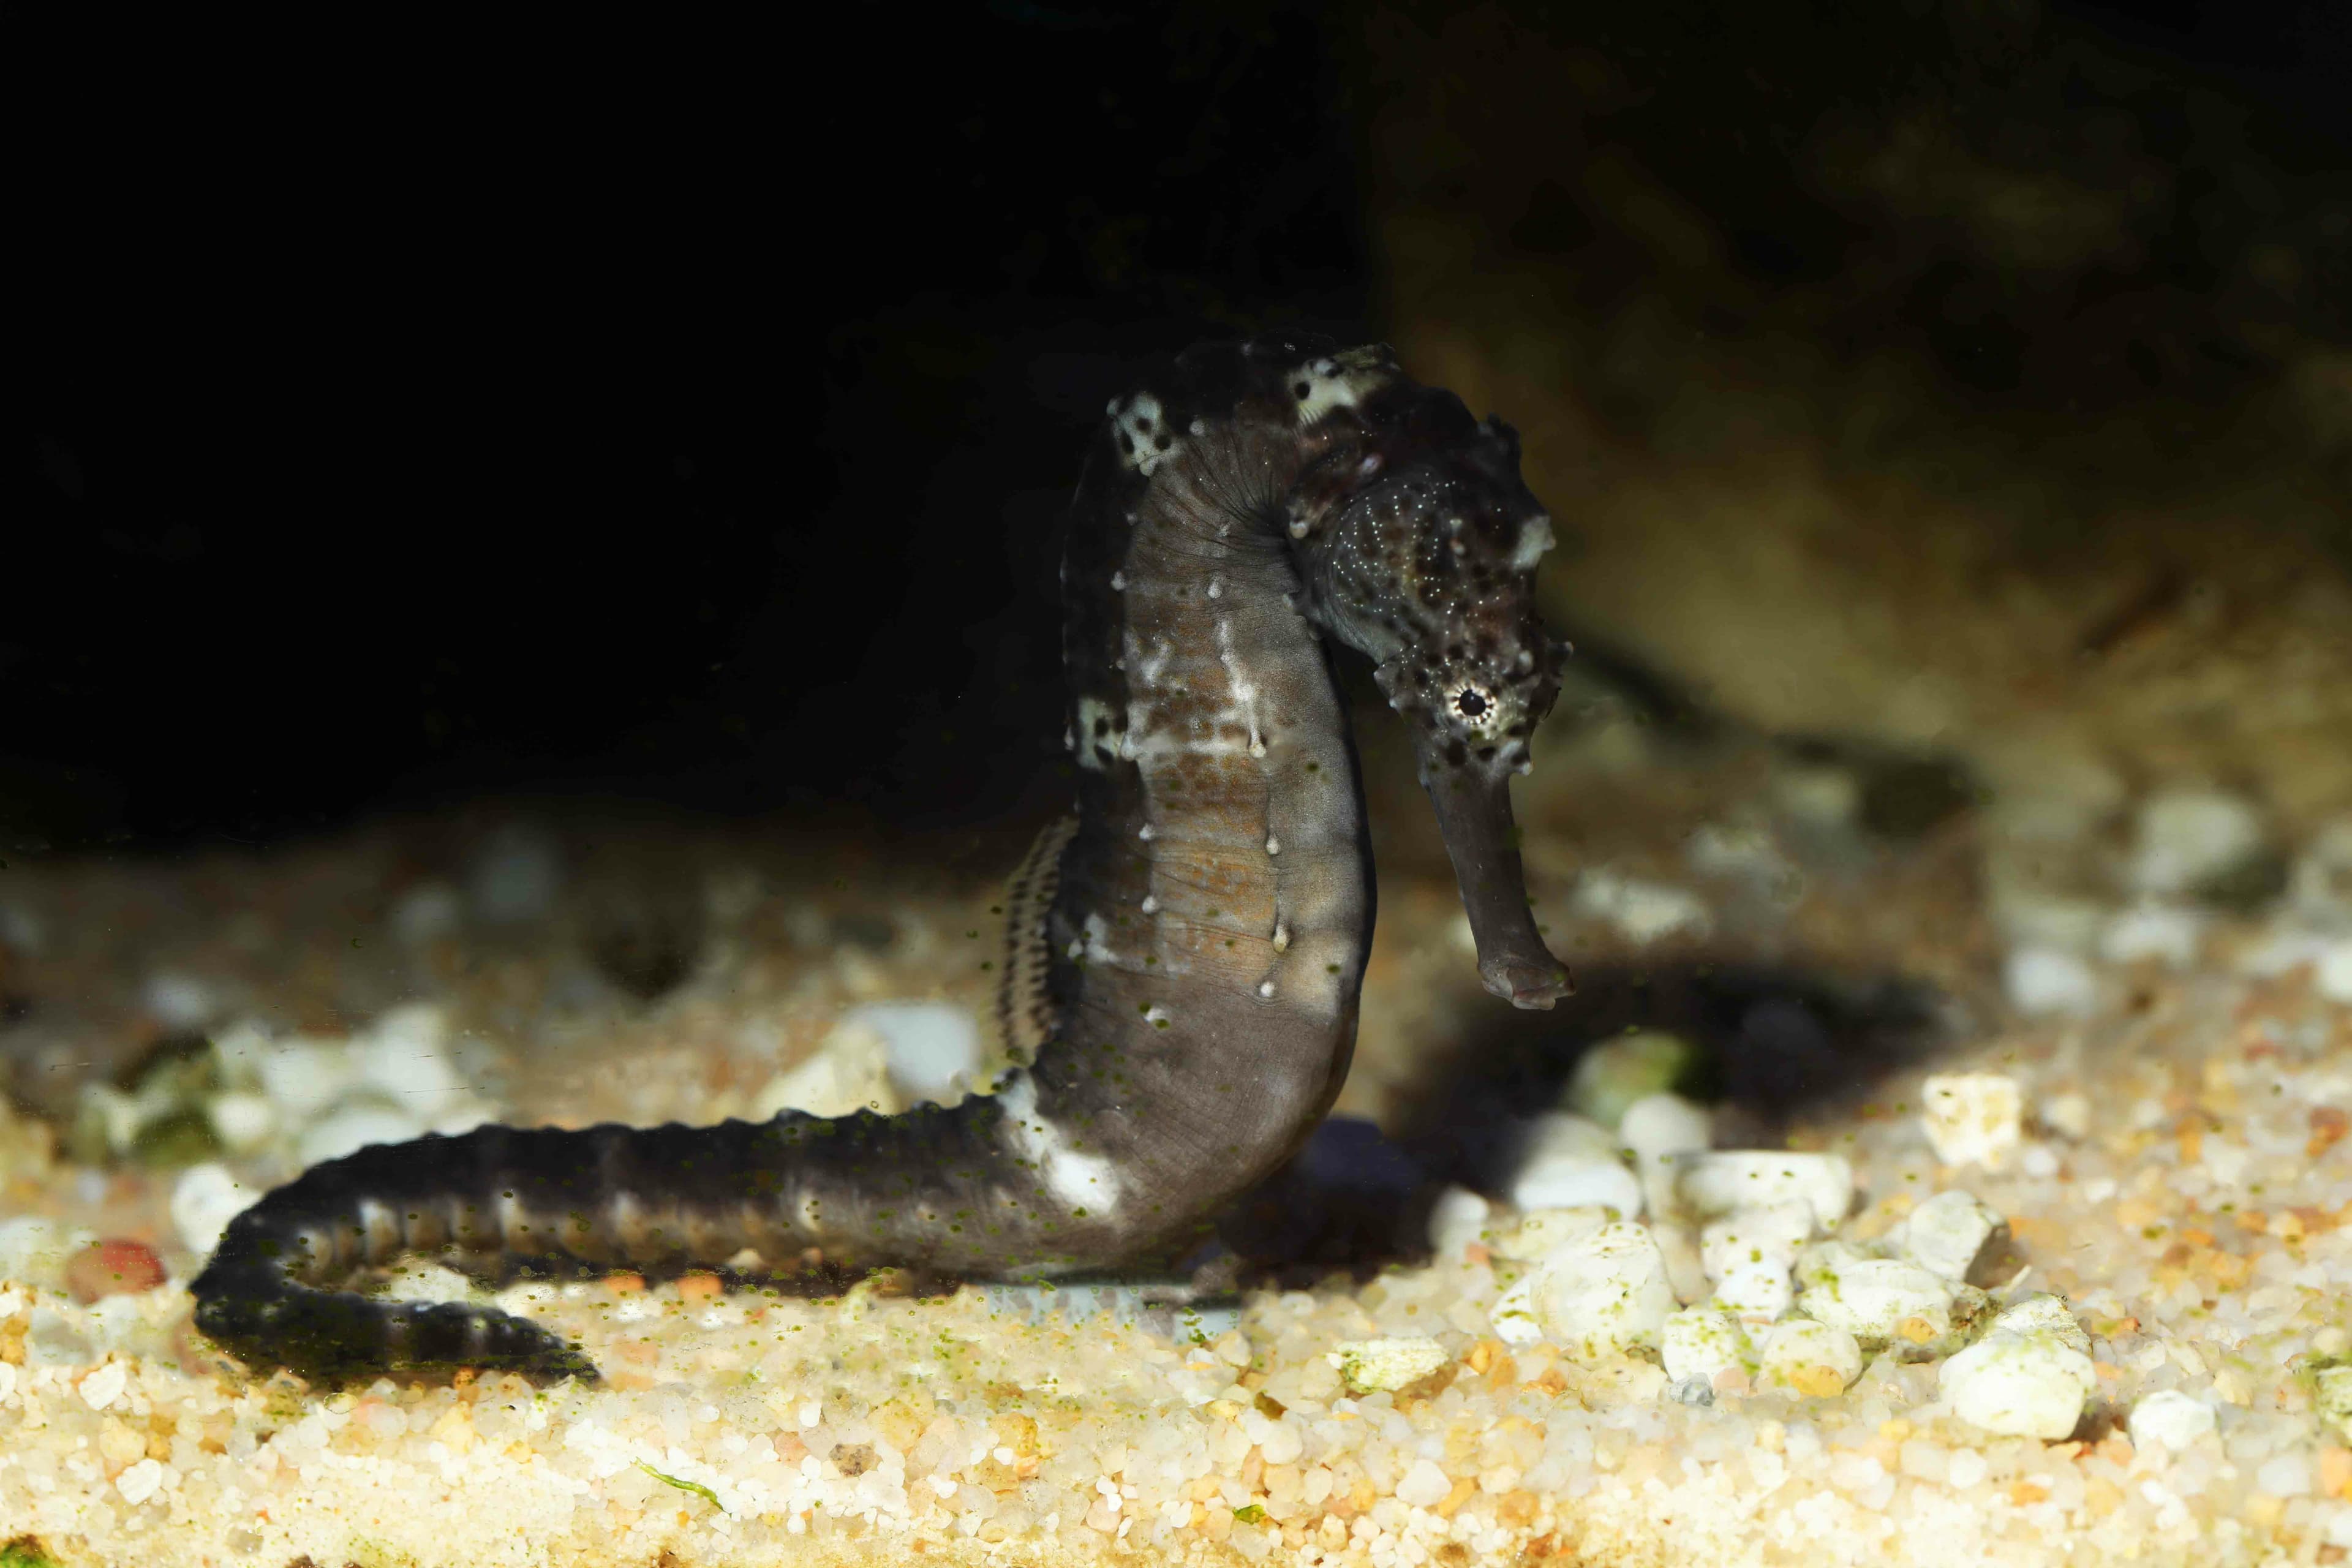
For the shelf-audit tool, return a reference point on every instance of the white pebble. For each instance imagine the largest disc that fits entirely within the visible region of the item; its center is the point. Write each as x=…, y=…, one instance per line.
x=932, y=1048
x=34, y=1250
x=2041, y=980
x=850, y=1072
x=1604, y=1291
x=2189, y=838
x=1972, y=1119
x=353, y=1128
x=179, y=1001
x=2068, y=1115
x=104, y=1386
x=1822, y=796
x=1947, y=1232
x=243, y=1121
x=2171, y=1418
x=1513, y=1314
x=1371, y=1365
x=1723, y=1180
x=119, y=1115
x=1536, y=1233
x=1880, y=1300
x=1642, y=913
x=517, y=875
x=1660, y=1129
x=405, y=1055
x=140, y=1481
x=1701, y=1342
x=2320, y=885
x=1611, y=1076
x=203, y=1200
x=303, y=1075
x=426, y=913
x=1809, y=1356
x=2284, y=1475
x=2164, y=933
x=1423, y=1485
x=2331, y=1396
x=2019, y=1386
x=2042, y=1312
x=1566, y=1181
x=1756, y=1292
x=1765, y=1234
x=2332, y=972
x=1457, y=1219
x=1571, y=1163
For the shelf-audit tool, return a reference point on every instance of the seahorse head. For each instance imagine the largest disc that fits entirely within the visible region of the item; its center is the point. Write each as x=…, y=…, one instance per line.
x=1418, y=541
x=1421, y=542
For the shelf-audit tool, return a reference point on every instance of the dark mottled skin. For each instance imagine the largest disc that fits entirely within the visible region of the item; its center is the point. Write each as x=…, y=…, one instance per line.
x=1203, y=927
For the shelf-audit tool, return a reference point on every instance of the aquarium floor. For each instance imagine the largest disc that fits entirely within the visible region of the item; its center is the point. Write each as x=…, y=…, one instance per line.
x=2195, y=1214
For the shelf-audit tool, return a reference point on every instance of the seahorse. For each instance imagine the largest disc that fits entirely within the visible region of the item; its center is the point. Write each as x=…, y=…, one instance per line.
x=1187, y=951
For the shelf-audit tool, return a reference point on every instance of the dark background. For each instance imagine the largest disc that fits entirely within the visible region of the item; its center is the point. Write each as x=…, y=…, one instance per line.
x=404, y=415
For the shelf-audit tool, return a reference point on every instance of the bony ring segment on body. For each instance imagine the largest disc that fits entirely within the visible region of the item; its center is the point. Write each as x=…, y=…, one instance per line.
x=1186, y=951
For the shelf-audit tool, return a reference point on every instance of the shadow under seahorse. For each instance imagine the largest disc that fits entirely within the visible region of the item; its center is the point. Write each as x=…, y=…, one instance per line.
x=1188, y=950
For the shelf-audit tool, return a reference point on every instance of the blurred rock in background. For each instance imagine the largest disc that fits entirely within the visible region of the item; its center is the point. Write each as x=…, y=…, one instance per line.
x=1978, y=389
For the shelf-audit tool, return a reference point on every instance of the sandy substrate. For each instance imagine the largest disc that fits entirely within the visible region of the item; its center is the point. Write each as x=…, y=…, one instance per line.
x=2173, y=1170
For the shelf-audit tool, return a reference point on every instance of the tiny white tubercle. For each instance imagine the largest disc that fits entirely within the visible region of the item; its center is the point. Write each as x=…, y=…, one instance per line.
x=1150, y=905
x=1272, y=845
x=1146, y=833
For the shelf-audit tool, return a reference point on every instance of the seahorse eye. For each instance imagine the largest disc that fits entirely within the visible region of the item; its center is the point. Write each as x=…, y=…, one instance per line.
x=1472, y=703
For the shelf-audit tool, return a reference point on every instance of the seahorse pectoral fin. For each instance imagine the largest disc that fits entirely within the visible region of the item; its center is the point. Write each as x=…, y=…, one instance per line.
x=1474, y=815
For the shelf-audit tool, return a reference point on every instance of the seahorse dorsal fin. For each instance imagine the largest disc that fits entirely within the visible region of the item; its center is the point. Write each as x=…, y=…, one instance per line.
x=1024, y=1009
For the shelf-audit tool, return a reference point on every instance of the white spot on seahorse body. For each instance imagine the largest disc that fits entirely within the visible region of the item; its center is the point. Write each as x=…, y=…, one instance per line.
x=1266, y=989
x=1140, y=430
x=380, y=1225
x=624, y=1217
x=1093, y=731
x=1535, y=538
x=1272, y=845
x=1281, y=936
x=1083, y=1181
x=1146, y=833
x=1341, y=381
x=1217, y=587
x=1119, y=582
x=1097, y=950
x=1200, y=427
x=1244, y=707
x=1155, y=1014
x=1154, y=662
x=1150, y=905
